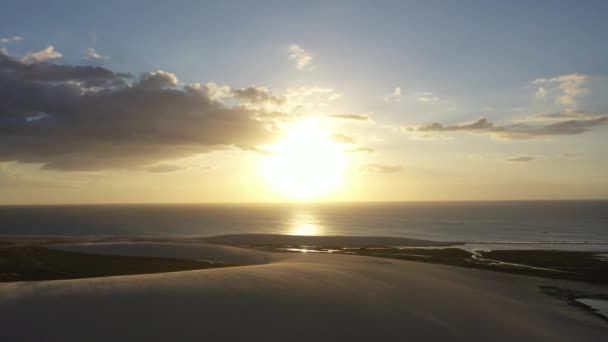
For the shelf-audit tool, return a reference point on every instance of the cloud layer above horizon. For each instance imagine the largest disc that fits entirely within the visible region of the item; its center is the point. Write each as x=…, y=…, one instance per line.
x=70, y=117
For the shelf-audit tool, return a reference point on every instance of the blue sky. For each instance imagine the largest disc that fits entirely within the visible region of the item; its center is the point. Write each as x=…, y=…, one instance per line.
x=454, y=62
x=440, y=42
x=460, y=49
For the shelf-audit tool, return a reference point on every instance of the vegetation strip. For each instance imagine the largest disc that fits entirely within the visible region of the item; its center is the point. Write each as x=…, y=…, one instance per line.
x=23, y=263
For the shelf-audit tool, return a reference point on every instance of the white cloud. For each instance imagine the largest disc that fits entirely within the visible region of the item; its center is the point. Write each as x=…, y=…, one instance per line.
x=394, y=96
x=8, y=40
x=427, y=97
x=212, y=90
x=302, y=57
x=45, y=55
x=563, y=89
x=93, y=55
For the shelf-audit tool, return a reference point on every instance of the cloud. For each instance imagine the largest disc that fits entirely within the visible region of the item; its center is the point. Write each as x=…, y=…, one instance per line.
x=524, y=130
x=359, y=149
x=394, y=96
x=91, y=118
x=342, y=139
x=349, y=116
x=563, y=115
x=163, y=168
x=8, y=40
x=46, y=55
x=38, y=73
x=301, y=57
x=380, y=168
x=519, y=159
x=564, y=89
x=257, y=95
x=334, y=97
x=307, y=99
x=211, y=90
x=93, y=55
x=427, y=97
x=301, y=92
x=157, y=80
x=251, y=96
x=541, y=92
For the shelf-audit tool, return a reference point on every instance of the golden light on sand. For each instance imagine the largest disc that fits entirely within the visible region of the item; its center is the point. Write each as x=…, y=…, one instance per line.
x=305, y=164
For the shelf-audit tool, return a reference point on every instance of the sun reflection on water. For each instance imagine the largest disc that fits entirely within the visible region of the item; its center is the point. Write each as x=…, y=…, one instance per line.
x=304, y=223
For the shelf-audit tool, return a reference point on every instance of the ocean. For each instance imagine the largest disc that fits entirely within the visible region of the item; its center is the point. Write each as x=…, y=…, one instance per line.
x=523, y=222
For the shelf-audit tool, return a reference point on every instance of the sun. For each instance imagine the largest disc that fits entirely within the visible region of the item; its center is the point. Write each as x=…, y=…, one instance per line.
x=305, y=164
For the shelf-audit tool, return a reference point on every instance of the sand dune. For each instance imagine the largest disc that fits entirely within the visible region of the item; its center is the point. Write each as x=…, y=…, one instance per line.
x=197, y=251
x=296, y=297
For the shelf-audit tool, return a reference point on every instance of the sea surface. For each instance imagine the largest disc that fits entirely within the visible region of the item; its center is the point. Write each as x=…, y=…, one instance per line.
x=525, y=223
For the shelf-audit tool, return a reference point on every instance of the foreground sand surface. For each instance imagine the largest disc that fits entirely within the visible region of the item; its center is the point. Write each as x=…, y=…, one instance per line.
x=292, y=297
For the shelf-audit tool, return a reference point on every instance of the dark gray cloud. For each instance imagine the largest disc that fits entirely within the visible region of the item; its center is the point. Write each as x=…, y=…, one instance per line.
x=87, y=76
x=349, y=116
x=88, y=118
x=519, y=159
x=523, y=130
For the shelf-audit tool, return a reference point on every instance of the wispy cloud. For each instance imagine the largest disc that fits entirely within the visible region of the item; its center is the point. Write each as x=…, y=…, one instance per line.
x=522, y=130
x=301, y=57
x=564, y=115
x=426, y=97
x=381, y=168
x=359, y=149
x=8, y=40
x=343, y=139
x=93, y=55
x=394, y=96
x=349, y=116
x=163, y=168
x=519, y=159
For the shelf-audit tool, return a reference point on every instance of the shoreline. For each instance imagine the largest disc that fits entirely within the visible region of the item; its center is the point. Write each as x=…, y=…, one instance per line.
x=589, y=266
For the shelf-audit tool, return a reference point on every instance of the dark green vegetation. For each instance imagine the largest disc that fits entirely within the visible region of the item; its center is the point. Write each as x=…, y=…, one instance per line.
x=40, y=263
x=586, y=266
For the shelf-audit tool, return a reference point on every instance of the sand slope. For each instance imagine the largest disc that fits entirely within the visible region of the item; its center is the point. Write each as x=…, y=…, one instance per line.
x=298, y=297
x=196, y=251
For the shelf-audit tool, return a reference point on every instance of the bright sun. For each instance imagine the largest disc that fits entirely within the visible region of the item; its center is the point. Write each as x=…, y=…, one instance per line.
x=305, y=164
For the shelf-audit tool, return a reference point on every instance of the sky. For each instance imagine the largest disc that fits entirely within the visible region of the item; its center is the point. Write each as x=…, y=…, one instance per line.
x=266, y=101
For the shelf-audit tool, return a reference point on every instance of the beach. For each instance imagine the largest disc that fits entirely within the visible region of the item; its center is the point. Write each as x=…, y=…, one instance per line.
x=293, y=297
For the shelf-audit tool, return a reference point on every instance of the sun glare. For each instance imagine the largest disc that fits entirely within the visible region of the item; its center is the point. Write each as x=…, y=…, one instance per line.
x=305, y=164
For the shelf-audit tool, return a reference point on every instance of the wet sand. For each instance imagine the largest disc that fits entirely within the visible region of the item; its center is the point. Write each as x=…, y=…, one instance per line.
x=293, y=297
